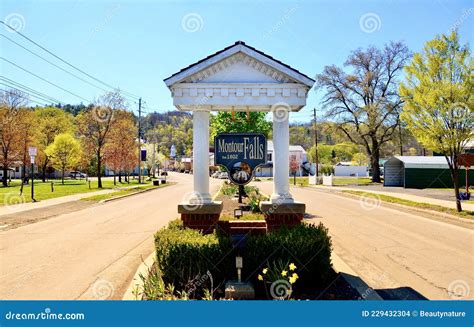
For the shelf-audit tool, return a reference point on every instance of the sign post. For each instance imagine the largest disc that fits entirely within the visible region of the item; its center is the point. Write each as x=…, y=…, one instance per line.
x=32, y=151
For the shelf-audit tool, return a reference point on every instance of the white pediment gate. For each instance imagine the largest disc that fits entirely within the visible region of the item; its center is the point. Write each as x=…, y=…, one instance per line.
x=239, y=78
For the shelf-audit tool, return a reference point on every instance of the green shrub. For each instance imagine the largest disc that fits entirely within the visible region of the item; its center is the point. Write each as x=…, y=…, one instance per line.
x=254, y=198
x=184, y=256
x=308, y=246
x=229, y=189
x=326, y=169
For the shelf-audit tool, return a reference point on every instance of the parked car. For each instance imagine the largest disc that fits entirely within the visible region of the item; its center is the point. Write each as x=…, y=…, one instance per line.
x=186, y=171
x=164, y=173
x=77, y=174
x=223, y=175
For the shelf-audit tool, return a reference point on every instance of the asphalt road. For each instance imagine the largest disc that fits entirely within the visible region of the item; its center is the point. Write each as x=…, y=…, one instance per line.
x=393, y=251
x=91, y=253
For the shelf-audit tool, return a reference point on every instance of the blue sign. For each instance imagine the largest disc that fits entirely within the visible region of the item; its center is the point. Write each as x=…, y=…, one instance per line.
x=240, y=154
x=143, y=155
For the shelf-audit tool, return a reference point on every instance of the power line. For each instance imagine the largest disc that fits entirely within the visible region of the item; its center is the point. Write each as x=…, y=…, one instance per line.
x=28, y=89
x=30, y=100
x=66, y=62
x=45, y=80
x=51, y=63
x=57, y=66
x=29, y=94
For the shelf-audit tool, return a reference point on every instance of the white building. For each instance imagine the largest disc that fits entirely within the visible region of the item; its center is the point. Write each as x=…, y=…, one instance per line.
x=296, y=153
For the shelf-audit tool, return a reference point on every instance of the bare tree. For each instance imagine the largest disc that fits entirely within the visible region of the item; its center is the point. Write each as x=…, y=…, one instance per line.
x=365, y=102
x=95, y=123
x=12, y=102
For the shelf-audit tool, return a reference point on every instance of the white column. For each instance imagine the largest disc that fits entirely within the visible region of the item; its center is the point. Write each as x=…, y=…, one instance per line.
x=201, y=157
x=281, y=160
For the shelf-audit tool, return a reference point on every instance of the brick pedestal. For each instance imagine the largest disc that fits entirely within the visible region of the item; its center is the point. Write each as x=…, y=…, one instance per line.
x=285, y=214
x=243, y=227
x=203, y=217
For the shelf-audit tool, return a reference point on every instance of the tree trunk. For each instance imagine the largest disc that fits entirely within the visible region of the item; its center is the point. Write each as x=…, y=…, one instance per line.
x=115, y=180
x=120, y=176
x=5, y=178
x=455, y=176
x=99, y=180
x=62, y=176
x=43, y=171
x=22, y=177
x=374, y=161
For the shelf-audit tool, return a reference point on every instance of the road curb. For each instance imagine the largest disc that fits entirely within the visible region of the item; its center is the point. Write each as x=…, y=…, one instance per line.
x=137, y=281
x=352, y=278
x=134, y=193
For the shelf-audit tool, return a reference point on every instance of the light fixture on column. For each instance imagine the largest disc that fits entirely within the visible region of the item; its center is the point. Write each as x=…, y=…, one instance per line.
x=248, y=114
x=233, y=114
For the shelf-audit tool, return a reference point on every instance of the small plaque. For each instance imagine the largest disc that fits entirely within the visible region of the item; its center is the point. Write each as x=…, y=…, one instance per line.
x=239, y=262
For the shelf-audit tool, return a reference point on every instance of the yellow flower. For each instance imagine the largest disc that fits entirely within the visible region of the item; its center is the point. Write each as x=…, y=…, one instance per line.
x=292, y=266
x=284, y=272
x=260, y=277
x=292, y=280
x=295, y=276
x=264, y=271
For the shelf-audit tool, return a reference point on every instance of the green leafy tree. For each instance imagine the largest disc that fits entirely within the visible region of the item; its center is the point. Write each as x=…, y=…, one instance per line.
x=64, y=153
x=50, y=122
x=359, y=159
x=240, y=122
x=438, y=95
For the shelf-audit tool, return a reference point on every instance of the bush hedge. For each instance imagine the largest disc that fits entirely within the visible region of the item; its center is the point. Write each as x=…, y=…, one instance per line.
x=307, y=246
x=185, y=255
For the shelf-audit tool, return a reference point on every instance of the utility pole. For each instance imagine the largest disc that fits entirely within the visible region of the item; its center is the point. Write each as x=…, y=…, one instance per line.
x=400, y=136
x=316, y=143
x=139, y=141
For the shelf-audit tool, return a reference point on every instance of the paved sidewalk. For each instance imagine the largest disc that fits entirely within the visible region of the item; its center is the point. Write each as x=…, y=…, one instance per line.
x=9, y=209
x=410, y=197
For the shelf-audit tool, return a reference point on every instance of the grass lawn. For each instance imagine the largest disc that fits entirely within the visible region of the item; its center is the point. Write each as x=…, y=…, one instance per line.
x=339, y=181
x=392, y=199
x=120, y=193
x=300, y=181
x=10, y=194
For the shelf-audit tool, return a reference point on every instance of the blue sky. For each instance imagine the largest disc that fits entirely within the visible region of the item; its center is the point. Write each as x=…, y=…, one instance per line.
x=136, y=44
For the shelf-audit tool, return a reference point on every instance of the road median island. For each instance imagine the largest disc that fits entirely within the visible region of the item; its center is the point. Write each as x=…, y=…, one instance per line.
x=123, y=193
